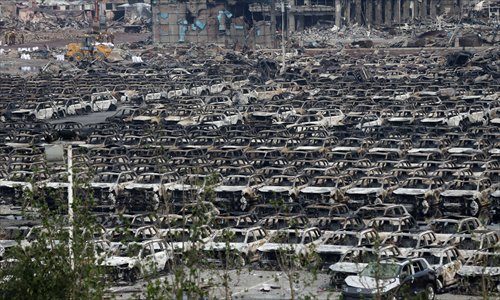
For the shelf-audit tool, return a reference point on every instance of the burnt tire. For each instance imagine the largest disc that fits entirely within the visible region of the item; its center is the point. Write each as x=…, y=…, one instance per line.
x=167, y=267
x=112, y=107
x=473, y=208
x=439, y=285
x=133, y=275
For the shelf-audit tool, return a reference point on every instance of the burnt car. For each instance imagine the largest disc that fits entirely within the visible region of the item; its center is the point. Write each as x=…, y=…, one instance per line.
x=467, y=197
x=238, y=192
x=420, y=196
x=480, y=273
x=370, y=190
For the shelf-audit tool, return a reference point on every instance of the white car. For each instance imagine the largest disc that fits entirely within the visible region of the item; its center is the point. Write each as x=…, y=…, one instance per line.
x=35, y=111
x=137, y=260
x=107, y=185
x=294, y=245
x=240, y=244
x=103, y=101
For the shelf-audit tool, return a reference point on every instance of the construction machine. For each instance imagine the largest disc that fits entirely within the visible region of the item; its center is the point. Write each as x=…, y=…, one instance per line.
x=88, y=49
x=92, y=46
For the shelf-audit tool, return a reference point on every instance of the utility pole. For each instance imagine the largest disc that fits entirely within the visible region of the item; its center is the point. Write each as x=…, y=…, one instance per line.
x=55, y=153
x=283, y=50
x=70, y=205
x=272, y=11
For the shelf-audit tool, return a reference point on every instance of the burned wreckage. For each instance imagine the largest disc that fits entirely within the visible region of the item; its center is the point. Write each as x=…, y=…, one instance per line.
x=316, y=161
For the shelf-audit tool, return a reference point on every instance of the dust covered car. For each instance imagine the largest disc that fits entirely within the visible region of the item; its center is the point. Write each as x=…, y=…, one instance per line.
x=480, y=272
x=138, y=259
x=235, y=246
x=290, y=247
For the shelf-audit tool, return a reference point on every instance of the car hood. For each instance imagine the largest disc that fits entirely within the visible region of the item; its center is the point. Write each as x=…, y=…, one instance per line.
x=145, y=118
x=115, y=261
x=400, y=119
x=308, y=148
x=384, y=150
x=479, y=271
x=409, y=191
x=263, y=114
x=317, y=189
x=463, y=150
x=419, y=150
x=181, y=187
x=361, y=191
x=102, y=185
x=143, y=186
x=364, y=282
x=277, y=246
x=56, y=185
x=22, y=111
x=345, y=149
x=332, y=248
x=12, y=184
x=457, y=193
x=222, y=246
x=275, y=189
x=229, y=188
x=433, y=120
x=347, y=267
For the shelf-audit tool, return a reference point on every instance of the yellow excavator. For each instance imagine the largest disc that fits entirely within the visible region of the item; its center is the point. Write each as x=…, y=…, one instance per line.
x=87, y=50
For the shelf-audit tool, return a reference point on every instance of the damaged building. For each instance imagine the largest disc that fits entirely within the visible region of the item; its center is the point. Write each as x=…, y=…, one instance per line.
x=76, y=13
x=202, y=21
x=250, y=23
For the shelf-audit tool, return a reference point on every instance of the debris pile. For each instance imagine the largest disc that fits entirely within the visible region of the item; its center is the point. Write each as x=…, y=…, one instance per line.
x=322, y=36
x=441, y=33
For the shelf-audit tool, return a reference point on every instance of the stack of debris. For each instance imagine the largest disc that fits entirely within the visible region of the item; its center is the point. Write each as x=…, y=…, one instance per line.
x=328, y=36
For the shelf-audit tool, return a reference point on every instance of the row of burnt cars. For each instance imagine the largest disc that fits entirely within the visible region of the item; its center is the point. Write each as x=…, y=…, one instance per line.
x=449, y=253
x=143, y=168
x=417, y=141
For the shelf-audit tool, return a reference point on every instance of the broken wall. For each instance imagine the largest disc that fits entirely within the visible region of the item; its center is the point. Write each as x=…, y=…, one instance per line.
x=202, y=21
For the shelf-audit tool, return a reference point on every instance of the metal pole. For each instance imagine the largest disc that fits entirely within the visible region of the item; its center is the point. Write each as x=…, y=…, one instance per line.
x=283, y=50
x=273, y=23
x=399, y=15
x=70, y=205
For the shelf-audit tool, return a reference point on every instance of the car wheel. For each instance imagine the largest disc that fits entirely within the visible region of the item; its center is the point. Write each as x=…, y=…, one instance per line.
x=430, y=293
x=133, y=275
x=439, y=285
x=167, y=267
x=425, y=207
x=473, y=208
x=112, y=107
x=392, y=297
x=239, y=261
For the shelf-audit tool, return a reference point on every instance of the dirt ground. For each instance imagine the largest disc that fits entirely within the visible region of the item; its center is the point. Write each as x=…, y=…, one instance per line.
x=62, y=38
